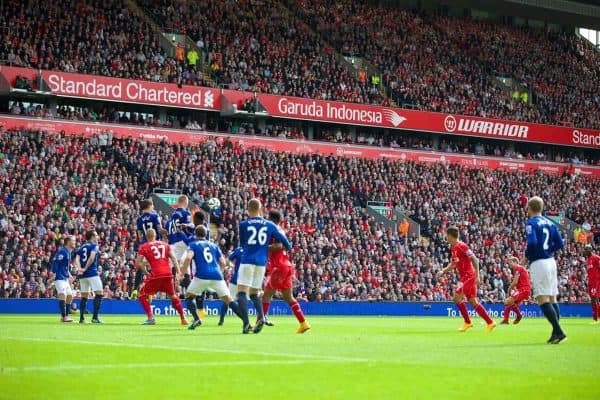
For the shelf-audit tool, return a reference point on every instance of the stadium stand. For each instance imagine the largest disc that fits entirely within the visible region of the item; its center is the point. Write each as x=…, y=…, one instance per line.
x=339, y=251
x=440, y=63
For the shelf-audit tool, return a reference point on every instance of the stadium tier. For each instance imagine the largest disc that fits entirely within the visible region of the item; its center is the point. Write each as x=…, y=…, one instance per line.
x=340, y=252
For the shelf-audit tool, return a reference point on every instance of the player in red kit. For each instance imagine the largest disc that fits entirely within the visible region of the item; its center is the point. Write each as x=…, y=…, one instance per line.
x=593, y=273
x=519, y=290
x=157, y=254
x=467, y=265
x=281, y=275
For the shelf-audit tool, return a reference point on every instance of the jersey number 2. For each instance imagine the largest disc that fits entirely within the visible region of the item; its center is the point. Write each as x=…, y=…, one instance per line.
x=546, y=233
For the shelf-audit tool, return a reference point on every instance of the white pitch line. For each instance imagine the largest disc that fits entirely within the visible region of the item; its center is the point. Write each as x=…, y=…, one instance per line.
x=86, y=367
x=196, y=349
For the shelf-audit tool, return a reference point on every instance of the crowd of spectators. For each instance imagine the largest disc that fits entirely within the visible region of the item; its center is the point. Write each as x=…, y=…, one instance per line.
x=258, y=45
x=91, y=37
x=52, y=185
x=448, y=64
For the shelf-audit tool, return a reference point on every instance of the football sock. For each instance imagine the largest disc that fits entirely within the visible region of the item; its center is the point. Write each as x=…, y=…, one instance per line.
x=146, y=306
x=550, y=314
x=82, y=307
x=139, y=276
x=517, y=311
x=507, y=313
x=200, y=301
x=462, y=307
x=68, y=308
x=97, y=302
x=63, y=308
x=191, y=305
x=242, y=301
x=295, y=306
x=177, y=305
x=223, y=311
x=257, y=305
x=265, y=307
x=595, y=311
x=483, y=314
x=556, y=310
x=235, y=307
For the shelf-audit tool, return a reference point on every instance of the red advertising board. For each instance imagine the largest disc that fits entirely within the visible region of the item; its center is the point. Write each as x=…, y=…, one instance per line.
x=196, y=97
x=291, y=146
x=397, y=118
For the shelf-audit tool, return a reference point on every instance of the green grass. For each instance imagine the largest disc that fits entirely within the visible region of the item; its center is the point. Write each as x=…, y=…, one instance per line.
x=349, y=358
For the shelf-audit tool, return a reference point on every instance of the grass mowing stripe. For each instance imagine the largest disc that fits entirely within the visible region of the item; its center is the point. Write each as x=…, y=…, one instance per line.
x=198, y=349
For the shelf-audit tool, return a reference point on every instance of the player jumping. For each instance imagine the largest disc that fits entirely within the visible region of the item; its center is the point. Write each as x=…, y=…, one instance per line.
x=522, y=291
x=157, y=254
x=255, y=235
x=467, y=266
x=281, y=274
x=543, y=239
x=207, y=257
x=593, y=273
x=62, y=277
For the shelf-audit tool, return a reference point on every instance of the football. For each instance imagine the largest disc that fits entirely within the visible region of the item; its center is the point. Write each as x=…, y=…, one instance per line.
x=214, y=203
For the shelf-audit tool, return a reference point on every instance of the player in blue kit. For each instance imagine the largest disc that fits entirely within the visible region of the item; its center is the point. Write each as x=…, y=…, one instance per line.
x=208, y=259
x=86, y=261
x=62, y=277
x=179, y=227
x=255, y=236
x=543, y=240
x=235, y=257
x=148, y=220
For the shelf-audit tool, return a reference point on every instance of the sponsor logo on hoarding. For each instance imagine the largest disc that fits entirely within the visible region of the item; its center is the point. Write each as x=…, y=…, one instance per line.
x=472, y=125
x=579, y=137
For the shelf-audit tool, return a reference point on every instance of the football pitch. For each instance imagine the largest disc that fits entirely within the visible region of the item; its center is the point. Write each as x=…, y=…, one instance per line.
x=340, y=358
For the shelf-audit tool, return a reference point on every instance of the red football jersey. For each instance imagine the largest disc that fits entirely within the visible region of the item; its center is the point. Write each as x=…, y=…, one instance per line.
x=461, y=256
x=593, y=270
x=524, y=284
x=157, y=254
x=278, y=259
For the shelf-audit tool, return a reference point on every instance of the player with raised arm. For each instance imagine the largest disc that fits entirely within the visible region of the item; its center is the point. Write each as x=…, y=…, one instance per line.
x=235, y=259
x=62, y=277
x=593, y=275
x=179, y=227
x=86, y=262
x=280, y=278
x=209, y=260
x=543, y=240
x=157, y=254
x=148, y=220
x=467, y=265
x=519, y=290
x=255, y=235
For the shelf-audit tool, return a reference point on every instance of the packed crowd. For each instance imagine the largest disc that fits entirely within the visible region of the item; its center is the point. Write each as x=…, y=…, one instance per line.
x=258, y=45
x=447, y=64
x=339, y=251
x=91, y=37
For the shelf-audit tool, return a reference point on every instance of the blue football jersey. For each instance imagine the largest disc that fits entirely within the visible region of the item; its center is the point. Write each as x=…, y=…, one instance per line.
x=236, y=257
x=148, y=221
x=178, y=225
x=60, y=264
x=84, y=253
x=206, y=258
x=543, y=238
x=255, y=236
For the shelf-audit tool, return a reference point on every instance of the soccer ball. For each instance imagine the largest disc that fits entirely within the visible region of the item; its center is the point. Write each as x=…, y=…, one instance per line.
x=214, y=203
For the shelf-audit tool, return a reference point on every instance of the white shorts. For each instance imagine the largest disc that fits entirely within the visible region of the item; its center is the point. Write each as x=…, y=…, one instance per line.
x=92, y=284
x=63, y=287
x=179, y=249
x=251, y=275
x=544, y=280
x=197, y=286
x=233, y=289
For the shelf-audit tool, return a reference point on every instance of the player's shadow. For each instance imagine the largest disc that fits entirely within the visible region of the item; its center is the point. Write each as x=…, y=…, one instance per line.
x=499, y=345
